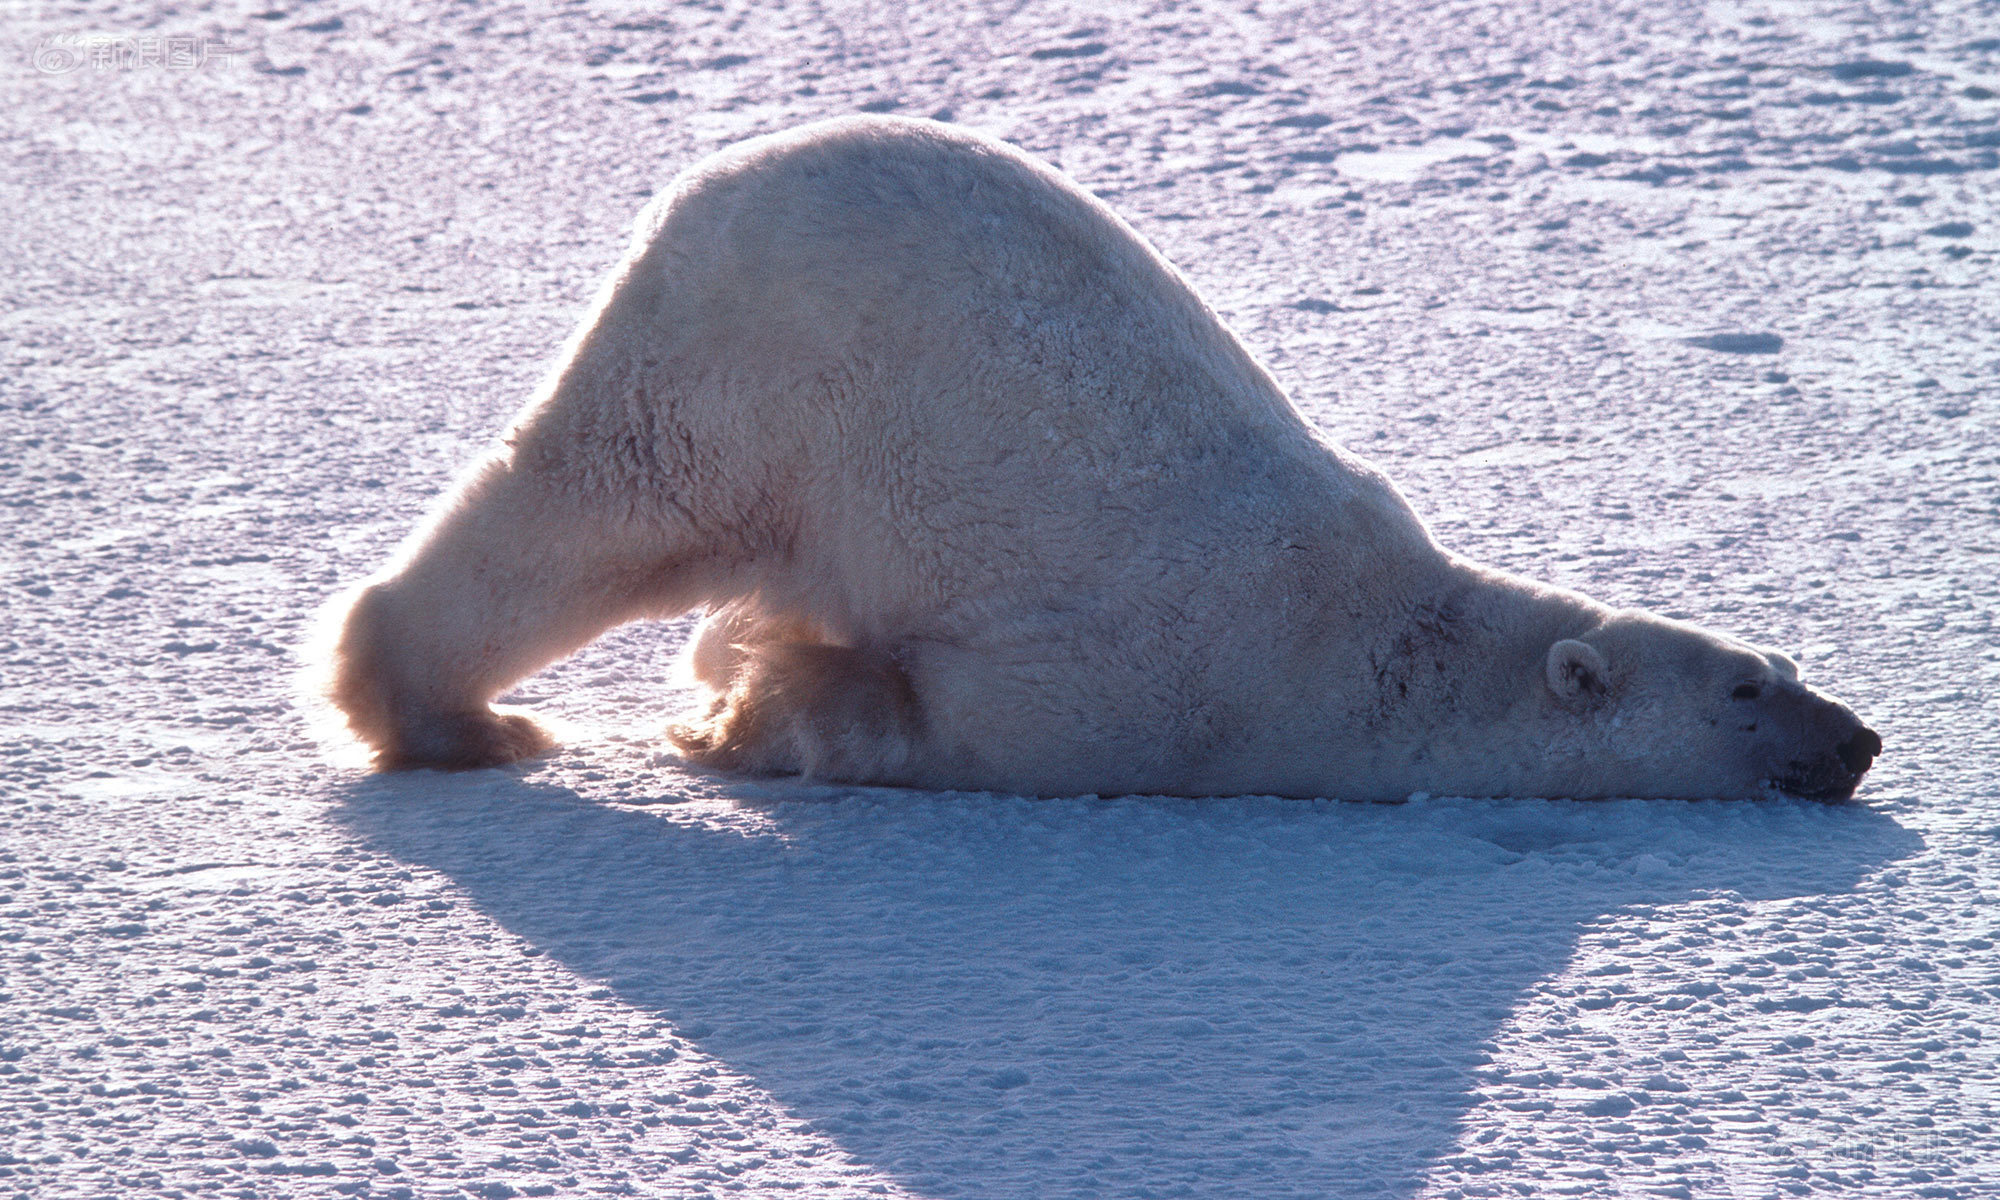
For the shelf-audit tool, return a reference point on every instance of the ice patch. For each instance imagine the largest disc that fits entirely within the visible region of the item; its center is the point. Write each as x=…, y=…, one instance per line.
x=1739, y=343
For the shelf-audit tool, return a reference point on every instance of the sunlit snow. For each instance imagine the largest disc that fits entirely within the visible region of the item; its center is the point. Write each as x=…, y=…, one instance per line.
x=1687, y=306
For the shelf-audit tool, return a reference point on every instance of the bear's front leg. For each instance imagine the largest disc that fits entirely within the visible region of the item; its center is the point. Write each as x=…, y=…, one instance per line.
x=518, y=569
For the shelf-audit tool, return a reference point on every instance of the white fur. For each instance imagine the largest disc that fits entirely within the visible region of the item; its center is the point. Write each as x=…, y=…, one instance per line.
x=983, y=496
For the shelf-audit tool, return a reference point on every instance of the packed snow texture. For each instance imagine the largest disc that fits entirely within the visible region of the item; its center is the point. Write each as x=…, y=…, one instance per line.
x=1687, y=306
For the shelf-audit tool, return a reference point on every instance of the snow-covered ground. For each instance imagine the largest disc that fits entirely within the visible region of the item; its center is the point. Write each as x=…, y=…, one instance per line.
x=263, y=289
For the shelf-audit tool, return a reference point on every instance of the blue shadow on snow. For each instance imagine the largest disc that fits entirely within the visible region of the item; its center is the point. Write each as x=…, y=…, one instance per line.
x=992, y=997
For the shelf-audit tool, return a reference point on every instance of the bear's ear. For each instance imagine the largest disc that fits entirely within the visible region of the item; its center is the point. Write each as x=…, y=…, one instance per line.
x=1576, y=672
x=1783, y=664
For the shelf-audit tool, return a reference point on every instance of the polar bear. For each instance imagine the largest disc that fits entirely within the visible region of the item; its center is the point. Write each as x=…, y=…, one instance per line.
x=978, y=494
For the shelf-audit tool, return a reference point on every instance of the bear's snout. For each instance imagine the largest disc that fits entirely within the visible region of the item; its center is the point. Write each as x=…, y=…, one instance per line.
x=1859, y=751
x=1839, y=749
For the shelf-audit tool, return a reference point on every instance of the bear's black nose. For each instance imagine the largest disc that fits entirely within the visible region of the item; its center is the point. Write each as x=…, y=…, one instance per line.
x=1860, y=750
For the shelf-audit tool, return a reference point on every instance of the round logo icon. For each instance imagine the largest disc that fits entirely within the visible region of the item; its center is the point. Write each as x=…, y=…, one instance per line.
x=58, y=56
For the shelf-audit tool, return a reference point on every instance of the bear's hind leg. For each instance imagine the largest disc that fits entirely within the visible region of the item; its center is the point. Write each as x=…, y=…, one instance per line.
x=731, y=632
x=520, y=568
x=416, y=718
x=807, y=708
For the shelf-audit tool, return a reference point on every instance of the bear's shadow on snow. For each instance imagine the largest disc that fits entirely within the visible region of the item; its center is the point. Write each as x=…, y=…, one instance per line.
x=987, y=996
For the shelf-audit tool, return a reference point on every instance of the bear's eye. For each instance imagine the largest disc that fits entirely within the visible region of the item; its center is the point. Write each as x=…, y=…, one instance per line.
x=1746, y=691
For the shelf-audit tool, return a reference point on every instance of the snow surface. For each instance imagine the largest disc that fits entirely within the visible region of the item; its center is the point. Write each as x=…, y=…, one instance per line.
x=1690, y=306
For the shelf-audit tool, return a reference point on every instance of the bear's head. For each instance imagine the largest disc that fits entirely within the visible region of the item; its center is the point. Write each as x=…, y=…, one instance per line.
x=1662, y=708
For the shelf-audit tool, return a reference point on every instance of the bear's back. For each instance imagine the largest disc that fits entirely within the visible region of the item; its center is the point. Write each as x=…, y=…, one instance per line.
x=892, y=247
x=920, y=347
